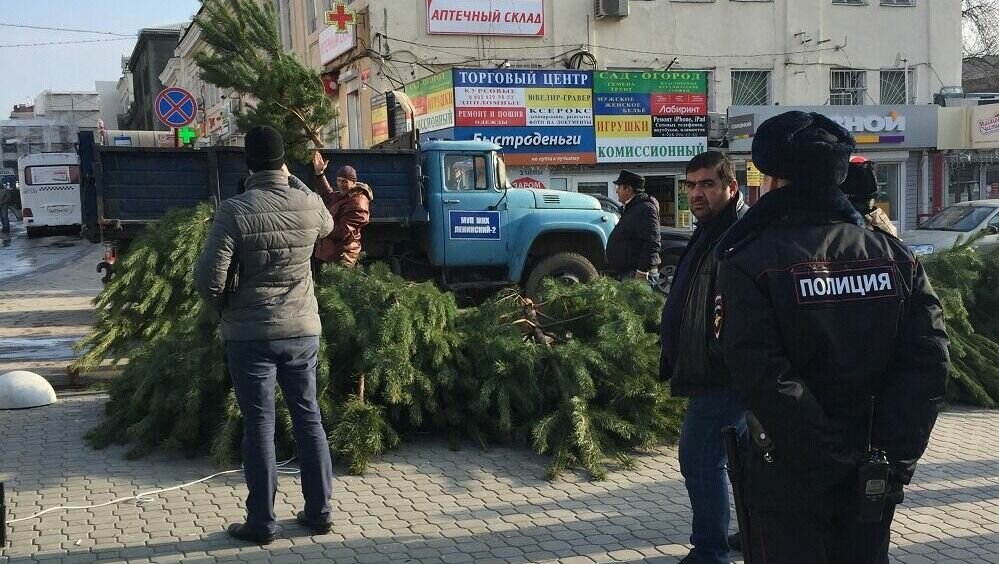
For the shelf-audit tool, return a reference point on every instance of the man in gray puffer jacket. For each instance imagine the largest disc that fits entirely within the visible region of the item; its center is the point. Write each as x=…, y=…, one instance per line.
x=270, y=322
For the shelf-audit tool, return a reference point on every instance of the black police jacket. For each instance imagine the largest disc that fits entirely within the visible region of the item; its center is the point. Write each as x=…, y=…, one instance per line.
x=634, y=243
x=695, y=369
x=817, y=315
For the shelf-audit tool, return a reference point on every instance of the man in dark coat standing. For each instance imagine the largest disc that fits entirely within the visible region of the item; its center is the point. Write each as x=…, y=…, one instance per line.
x=819, y=320
x=271, y=326
x=633, y=246
x=687, y=361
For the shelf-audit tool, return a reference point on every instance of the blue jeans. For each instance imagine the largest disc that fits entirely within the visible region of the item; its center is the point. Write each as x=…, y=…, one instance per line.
x=254, y=366
x=702, y=463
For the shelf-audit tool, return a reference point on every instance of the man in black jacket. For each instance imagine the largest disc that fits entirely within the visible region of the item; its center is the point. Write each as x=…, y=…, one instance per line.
x=817, y=317
x=633, y=246
x=687, y=327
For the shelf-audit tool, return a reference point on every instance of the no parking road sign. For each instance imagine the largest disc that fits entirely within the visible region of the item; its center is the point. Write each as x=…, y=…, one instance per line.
x=175, y=107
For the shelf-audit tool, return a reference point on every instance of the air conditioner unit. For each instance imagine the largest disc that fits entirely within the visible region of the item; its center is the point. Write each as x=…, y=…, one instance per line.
x=611, y=8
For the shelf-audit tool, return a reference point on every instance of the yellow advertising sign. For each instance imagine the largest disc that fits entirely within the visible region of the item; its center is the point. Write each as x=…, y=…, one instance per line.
x=379, y=124
x=623, y=126
x=753, y=175
x=558, y=98
x=439, y=101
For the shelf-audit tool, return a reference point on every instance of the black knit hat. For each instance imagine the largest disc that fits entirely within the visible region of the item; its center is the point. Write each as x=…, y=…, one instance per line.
x=264, y=148
x=861, y=181
x=808, y=149
x=628, y=178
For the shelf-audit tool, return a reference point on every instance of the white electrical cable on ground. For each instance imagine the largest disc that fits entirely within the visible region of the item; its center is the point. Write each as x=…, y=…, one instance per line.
x=149, y=496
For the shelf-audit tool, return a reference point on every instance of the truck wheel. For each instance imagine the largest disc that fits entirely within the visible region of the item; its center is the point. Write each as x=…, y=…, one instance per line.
x=34, y=232
x=570, y=268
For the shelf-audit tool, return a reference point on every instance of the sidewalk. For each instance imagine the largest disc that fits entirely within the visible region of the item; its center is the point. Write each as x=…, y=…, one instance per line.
x=424, y=503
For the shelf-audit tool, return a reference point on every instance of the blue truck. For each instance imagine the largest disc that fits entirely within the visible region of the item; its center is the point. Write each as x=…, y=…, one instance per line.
x=443, y=210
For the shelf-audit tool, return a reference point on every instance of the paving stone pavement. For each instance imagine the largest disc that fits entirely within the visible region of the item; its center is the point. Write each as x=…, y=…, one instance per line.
x=424, y=503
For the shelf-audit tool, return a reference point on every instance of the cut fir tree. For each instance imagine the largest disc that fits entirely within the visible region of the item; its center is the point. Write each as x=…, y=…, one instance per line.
x=574, y=377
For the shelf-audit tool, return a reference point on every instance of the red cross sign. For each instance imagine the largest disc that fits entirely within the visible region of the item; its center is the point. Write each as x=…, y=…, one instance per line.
x=341, y=17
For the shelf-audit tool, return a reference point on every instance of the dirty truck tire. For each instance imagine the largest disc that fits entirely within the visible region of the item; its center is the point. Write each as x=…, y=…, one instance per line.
x=34, y=232
x=570, y=265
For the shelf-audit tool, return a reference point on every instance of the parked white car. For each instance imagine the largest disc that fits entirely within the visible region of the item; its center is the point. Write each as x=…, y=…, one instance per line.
x=958, y=222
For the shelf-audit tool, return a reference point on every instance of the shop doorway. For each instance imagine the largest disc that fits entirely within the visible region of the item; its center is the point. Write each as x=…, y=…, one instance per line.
x=663, y=189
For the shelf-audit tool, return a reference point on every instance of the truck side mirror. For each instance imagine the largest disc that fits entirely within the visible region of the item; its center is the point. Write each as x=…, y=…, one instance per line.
x=992, y=229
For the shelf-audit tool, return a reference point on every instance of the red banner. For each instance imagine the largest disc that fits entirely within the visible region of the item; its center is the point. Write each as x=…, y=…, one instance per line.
x=679, y=104
x=476, y=117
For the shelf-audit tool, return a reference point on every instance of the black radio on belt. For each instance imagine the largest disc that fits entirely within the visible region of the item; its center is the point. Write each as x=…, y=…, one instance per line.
x=873, y=482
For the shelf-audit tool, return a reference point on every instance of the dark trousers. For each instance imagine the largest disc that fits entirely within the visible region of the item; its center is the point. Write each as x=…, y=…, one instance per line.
x=702, y=463
x=819, y=538
x=4, y=218
x=254, y=367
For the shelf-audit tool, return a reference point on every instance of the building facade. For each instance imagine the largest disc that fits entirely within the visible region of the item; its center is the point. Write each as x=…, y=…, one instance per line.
x=749, y=53
x=80, y=110
x=152, y=51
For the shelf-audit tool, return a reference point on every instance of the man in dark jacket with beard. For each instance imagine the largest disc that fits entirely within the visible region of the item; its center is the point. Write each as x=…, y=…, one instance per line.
x=818, y=318
x=687, y=327
x=633, y=246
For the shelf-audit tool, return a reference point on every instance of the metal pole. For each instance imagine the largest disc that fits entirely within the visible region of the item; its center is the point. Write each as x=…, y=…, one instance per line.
x=3, y=516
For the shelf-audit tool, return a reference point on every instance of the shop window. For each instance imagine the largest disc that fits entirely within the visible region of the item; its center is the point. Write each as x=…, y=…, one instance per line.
x=847, y=87
x=310, y=15
x=559, y=184
x=991, y=182
x=895, y=89
x=593, y=188
x=354, y=120
x=889, y=196
x=663, y=189
x=965, y=183
x=750, y=88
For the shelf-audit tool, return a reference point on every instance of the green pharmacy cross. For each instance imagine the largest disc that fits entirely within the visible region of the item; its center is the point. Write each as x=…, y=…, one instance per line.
x=186, y=135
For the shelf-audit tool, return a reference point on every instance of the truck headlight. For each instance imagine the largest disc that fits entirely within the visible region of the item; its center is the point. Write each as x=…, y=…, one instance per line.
x=920, y=250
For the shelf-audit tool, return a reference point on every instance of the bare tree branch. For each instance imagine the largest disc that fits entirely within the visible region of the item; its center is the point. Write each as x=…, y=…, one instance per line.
x=980, y=27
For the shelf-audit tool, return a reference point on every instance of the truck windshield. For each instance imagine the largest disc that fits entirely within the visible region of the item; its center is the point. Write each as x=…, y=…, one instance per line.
x=958, y=218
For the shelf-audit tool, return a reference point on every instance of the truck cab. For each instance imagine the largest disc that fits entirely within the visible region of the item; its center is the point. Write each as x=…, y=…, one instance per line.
x=484, y=232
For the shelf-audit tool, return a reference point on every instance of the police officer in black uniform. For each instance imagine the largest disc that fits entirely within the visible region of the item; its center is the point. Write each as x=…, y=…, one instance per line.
x=822, y=323
x=633, y=246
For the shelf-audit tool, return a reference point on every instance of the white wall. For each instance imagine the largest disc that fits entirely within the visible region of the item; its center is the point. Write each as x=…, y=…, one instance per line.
x=718, y=35
x=107, y=93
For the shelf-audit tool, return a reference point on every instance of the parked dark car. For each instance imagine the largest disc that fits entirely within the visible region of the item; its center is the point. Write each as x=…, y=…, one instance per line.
x=673, y=240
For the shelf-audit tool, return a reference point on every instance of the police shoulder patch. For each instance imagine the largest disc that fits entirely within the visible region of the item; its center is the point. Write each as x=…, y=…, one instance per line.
x=826, y=283
x=719, y=316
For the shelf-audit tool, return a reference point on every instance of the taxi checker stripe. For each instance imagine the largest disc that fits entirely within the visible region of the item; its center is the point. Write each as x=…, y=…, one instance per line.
x=176, y=107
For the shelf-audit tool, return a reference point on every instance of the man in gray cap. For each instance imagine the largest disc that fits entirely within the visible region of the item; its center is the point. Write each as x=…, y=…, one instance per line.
x=836, y=346
x=633, y=246
x=271, y=327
